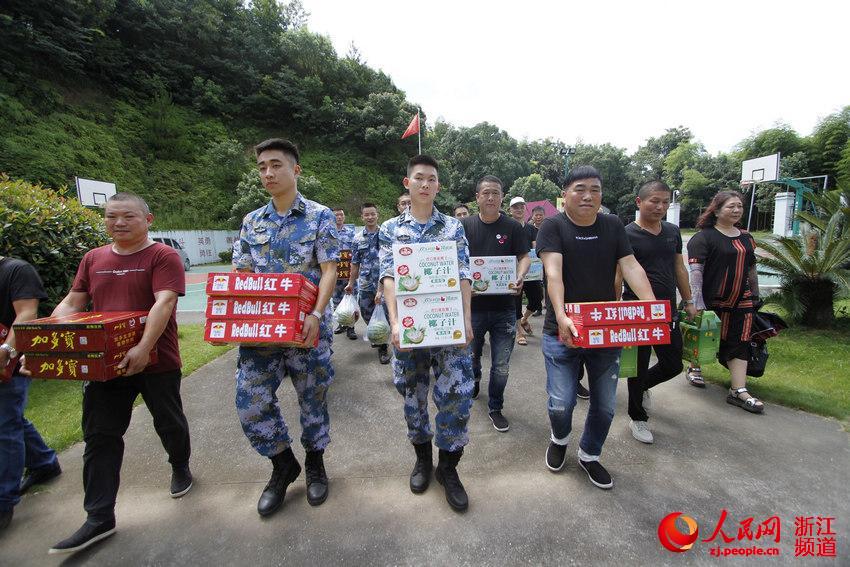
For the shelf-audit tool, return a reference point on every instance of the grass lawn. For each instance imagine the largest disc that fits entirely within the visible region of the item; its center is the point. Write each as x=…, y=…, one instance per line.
x=55, y=406
x=808, y=369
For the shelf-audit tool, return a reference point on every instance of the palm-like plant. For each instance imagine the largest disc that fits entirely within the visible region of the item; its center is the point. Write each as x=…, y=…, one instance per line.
x=812, y=266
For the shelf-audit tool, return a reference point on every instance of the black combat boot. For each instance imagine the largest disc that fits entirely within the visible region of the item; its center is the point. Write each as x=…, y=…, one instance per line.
x=420, y=478
x=447, y=476
x=286, y=470
x=317, y=479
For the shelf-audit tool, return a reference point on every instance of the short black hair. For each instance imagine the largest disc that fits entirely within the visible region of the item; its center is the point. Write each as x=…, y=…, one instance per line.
x=538, y=208
x=285, y=146
x=461, y=206
x=335, y=209
x=404, y=193
x=489, y=179
x=367, y=205
x=132, y=197
x=421, y=159
x=650, y=186
x=582, y=172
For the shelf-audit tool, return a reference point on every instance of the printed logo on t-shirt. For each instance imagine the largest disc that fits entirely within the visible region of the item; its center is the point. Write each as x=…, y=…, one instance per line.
x=594, y=237
x=502, y=238
x=119, y=272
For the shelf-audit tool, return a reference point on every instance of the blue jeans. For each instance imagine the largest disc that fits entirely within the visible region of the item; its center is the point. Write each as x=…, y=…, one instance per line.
x=502, y=328
x=563, y=367
x=20, y=443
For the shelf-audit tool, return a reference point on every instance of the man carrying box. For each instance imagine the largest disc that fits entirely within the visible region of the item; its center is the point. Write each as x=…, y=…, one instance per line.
x=657, y=247
x=345, y=234
x=581, y=251
x=134, y=273
x=21, y=445
x=290, y=234
x=366, y=271
x=453, y=381
x=491, y=233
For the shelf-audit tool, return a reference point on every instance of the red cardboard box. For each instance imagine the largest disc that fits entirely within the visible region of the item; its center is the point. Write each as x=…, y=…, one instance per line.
x=236, y=284
x=91, y=366
x=601, y=313
x=291, y=309
x=622, y=335
x=106, y=331
x=269, y=332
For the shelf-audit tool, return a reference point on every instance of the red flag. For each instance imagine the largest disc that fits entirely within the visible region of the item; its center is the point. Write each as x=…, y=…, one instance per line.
x=412, y=128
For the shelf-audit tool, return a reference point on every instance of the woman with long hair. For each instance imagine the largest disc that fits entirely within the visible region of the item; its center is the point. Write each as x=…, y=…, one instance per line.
x=724, y=279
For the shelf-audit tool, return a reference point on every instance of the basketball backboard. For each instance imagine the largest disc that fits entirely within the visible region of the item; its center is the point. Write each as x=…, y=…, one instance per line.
x=92, y=193
x=760, y=169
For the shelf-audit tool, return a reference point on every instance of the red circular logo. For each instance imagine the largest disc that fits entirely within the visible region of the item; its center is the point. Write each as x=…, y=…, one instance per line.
x=405, y=250
x=672, y=538
x=410, y=302
x=479, y=262
x=403, y=270
x=407, y=322
x=476, y=275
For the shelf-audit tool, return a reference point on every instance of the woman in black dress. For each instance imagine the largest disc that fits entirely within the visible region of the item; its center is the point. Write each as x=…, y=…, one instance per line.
x=724, y=279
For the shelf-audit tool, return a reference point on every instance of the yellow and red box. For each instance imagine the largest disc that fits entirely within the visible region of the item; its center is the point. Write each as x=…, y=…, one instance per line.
x=240, y=284
x=601, y=313
x=611, y=336
x=268, y=332
x=94, y=331
x=289, y=308
x=91, y=366
x=343, y=265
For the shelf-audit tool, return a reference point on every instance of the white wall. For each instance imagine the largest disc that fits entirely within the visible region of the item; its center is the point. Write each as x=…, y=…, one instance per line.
x=202, y=246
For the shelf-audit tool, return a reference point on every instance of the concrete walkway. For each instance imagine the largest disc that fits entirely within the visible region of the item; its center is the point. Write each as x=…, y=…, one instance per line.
x=707, y=456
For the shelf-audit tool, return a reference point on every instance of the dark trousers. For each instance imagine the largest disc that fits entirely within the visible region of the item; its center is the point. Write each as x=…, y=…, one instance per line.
x=669, y=365
x=107, y=408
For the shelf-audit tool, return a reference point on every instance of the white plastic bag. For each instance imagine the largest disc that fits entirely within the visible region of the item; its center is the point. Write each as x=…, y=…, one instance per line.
x=378, y=330
x=346, y=312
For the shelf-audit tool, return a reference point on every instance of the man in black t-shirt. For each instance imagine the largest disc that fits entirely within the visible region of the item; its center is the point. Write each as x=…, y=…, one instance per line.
x=491, y=233
x=20, y=443
x=658, y=249
x=581, y=251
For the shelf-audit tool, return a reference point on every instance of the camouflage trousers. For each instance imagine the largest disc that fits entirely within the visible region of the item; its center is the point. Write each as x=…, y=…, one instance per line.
x=259, y=373
x=453, y=383
x=366, y=302
x=339, y=291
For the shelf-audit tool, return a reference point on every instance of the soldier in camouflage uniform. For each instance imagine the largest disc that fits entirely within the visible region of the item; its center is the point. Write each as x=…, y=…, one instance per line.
x=346, y=241
x=451, y=365
x=366, y=271
x=290, y=234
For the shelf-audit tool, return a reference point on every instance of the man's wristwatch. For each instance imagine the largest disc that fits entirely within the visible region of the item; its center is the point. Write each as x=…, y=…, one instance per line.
x=10, y=349
x=317, y=314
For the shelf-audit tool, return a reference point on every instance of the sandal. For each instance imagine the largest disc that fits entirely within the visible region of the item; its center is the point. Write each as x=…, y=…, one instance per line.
x=522, y=341
x=694, y=376
x=751, y=404
x=526, y=326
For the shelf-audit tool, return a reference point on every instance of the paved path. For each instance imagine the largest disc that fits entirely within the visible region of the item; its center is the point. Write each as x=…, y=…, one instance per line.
x=708, y=456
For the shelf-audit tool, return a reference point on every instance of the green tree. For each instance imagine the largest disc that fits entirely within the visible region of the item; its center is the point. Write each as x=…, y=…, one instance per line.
x=534, y=188
x=827, y=143
x=648, y=160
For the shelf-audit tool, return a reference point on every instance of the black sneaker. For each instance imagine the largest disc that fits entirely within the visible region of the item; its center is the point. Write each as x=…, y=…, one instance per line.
x=537, y=313
x=87, y=535
x=339, y=329
x=475, y=390
x=597, y=474
x=351, y=333
x=384, y=354
x=499, y=421
x=181, y=481
x=39, y=476
x=582, y=392
x=556, y=456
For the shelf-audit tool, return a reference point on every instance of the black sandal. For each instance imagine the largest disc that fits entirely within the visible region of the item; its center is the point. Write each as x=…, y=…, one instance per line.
x=751, y=404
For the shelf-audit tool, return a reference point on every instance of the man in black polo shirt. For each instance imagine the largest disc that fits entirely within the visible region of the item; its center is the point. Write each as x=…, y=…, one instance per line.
x=581, y=251
x=491, y=233
x=658, y=249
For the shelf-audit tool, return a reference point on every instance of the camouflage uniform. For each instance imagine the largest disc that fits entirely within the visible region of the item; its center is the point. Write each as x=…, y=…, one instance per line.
x=346, y=240
x=451, y=365
x=365, y=254
x=296, y=242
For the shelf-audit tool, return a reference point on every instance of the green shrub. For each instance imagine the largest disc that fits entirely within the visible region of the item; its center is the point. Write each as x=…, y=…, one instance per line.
x=49, y=231
x=226, y=256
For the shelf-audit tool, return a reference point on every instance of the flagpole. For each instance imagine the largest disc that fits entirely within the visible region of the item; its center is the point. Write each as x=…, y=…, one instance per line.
x=419, y=133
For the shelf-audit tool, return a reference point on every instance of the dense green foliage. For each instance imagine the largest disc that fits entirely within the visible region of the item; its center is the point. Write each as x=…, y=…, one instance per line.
x=49, y=231
x=167, y=97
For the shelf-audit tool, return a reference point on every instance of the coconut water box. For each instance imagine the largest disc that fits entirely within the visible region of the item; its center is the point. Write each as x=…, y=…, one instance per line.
x=493, y=275
x=426, y=267
x=535, y=271
x=431, y=320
